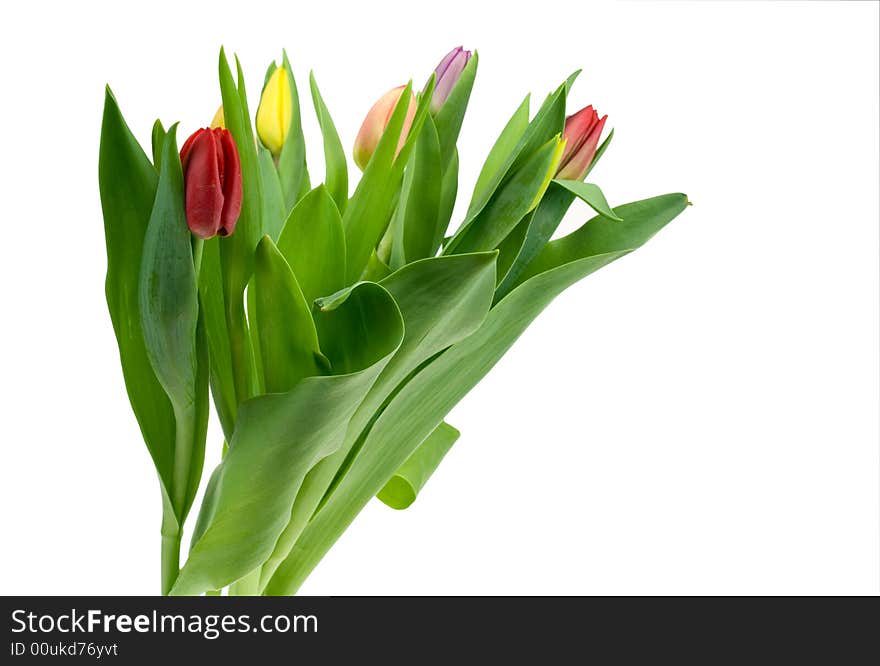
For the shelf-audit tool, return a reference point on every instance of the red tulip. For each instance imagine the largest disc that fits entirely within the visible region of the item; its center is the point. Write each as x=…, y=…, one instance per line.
x=582, y=132
x=211, y=182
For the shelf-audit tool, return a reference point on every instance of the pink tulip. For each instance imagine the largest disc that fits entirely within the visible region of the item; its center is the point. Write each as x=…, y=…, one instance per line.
x=447, y=74
x=582, y=132
x=375, y=123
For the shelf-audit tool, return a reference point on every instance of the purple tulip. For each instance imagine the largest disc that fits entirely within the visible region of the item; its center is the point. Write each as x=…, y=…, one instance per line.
x=447, y=74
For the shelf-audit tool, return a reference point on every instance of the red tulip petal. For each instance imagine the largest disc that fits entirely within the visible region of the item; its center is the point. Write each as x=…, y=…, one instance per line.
x=187, y=147
x=231, y=182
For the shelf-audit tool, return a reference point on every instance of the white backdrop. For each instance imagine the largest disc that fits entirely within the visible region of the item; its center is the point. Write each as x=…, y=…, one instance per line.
x=700, y=417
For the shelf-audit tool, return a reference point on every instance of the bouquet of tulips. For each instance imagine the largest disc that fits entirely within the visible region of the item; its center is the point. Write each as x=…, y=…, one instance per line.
x=333, y=332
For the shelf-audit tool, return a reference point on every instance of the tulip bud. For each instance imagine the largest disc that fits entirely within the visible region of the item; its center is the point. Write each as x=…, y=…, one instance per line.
x=447, y=74
x=375, y=122
x=211, y=182
x=273, y=114
x=219, y=119
x=582, y=130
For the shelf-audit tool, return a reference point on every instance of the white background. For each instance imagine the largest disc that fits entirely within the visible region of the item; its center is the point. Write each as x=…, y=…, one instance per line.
x=700, y=417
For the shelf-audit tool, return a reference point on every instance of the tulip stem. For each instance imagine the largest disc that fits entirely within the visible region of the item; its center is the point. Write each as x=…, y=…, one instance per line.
x=242, y=352
x=170, y=561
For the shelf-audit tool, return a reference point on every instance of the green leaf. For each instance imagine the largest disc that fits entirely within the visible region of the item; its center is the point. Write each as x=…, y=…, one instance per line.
x=544, y=222
x=213, y=311
x=443, y=300
x=336, y=168
x=603, y=236
x=274, y=208
x=168, y=293
x=547, y=123
x=237, y=250
x=591, y=195
x=128, y=188
x=495, y=166
x=158, y=141
x=292, y=170
x=547, y=216
x=403, y=488
x=168, y=297
x=448, y=193
x=569, y=82
x=510, y=204
x=313, y=244
x=451, y=115
x=510, y=248
x=424, y=401
x=277, y=439
x=420, y=198
x=288, y=340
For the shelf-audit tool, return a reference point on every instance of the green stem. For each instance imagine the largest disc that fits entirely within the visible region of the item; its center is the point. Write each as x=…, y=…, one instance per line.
x=183, y=446
x=241, y=351
x=175, y=505
x=170, y=561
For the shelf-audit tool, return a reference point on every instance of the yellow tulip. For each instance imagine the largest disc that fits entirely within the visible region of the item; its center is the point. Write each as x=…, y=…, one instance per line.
x=273, y=114
x=219, y=120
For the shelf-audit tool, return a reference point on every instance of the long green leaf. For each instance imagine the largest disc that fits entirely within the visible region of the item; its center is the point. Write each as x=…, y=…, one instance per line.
x=168, y=297
x=292, y=170
x=336, y=167
x=424, y=401
x=448, y=193
x=168, y=293
x=512, y=201
x=288, y=339
x=274, y=207
x=548, y=122
x=494, y=167
x=278, y=438
x=213, y=310
x=545, y=220
x=420, y=200
x=128, y=188
x=237, y=250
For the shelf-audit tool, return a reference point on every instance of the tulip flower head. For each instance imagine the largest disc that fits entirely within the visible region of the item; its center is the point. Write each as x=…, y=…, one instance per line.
x=275, y=110
x=582, y=130
x=447, y=74
x=374, y=125
x=211, y=182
